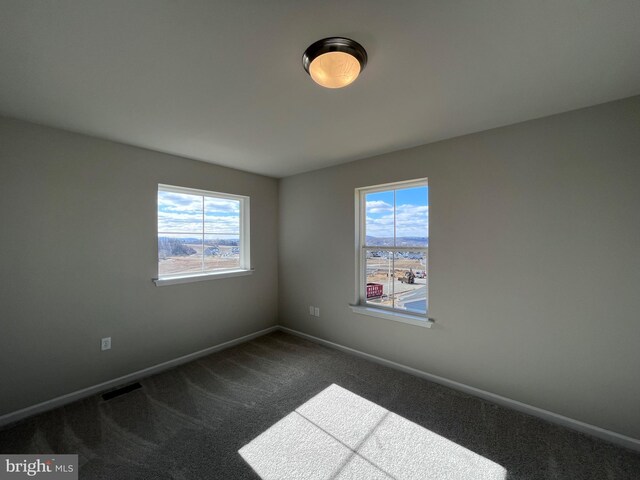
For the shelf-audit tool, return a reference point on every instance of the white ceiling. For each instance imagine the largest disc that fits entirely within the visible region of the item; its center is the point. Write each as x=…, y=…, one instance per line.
x=222, y=81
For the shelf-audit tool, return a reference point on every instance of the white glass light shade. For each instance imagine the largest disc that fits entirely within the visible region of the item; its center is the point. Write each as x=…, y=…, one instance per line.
x=334, y=69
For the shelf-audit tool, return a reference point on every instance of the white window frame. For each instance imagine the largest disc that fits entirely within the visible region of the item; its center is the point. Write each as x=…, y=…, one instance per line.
x=245, y=248
x=361, y=306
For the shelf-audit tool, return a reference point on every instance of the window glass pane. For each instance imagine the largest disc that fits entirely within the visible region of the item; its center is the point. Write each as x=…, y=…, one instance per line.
x=179, y=253
x=179, y=212
x=412, y=217
x=396, y=247
x=379, y=285
x=199, y=231
x=410, y=281
x=379, y=219
x=221, y=215
x=221, y=251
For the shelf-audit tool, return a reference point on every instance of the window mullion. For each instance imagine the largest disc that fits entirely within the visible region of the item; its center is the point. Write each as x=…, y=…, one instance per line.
x=392, y=278
x=362, y=286
x=394, y=219
x=202, y=238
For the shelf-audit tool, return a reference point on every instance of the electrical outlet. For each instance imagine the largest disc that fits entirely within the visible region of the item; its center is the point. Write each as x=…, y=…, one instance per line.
x=316, y=311
x=105, y=344
x=311, y=311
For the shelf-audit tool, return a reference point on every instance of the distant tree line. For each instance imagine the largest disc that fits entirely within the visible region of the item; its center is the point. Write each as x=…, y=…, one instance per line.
x=179, y=247
x=173, y=247
x=398, y=241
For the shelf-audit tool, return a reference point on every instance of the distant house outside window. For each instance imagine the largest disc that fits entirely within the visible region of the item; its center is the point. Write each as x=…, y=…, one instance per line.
x=393, y=247
x=201, y=233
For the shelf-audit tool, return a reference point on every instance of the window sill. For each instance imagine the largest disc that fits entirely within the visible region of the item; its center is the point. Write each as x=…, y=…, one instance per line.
x=173, y=280
x=395, y=316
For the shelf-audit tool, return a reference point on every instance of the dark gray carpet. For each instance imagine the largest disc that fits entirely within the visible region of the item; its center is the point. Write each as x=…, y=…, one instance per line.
x=189, y=422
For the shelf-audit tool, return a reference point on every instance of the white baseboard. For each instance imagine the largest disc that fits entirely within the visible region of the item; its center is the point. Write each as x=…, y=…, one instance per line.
x=145, y=372
x=613, y=437
x=577, y=425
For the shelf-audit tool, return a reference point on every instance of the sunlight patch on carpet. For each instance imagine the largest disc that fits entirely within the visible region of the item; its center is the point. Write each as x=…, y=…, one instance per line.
x=340, y=435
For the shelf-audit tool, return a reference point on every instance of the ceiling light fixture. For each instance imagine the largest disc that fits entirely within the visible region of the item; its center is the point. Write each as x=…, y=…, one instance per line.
x=334, y=62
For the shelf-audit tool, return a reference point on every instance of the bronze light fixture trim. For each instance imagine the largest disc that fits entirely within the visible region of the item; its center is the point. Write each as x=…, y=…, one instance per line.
x=334, y=62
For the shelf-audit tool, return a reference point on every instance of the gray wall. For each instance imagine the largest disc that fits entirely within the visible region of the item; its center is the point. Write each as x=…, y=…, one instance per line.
x=78, y=249
x=534, y=261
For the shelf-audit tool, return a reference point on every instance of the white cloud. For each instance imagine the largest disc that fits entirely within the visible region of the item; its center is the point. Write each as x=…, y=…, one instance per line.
x=221, y=205
x=222, y=224
x=181, y=202
x=182, y=213
x=410, y=221
x=379, y=206
x=414, y=209
x=192, y=223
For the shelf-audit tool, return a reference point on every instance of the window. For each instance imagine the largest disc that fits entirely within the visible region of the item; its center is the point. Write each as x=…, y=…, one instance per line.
x=201, y=234
x=392, y=252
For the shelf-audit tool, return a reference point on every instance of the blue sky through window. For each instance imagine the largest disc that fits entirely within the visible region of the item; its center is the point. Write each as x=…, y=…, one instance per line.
x=181, y=213
x=410, y=212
